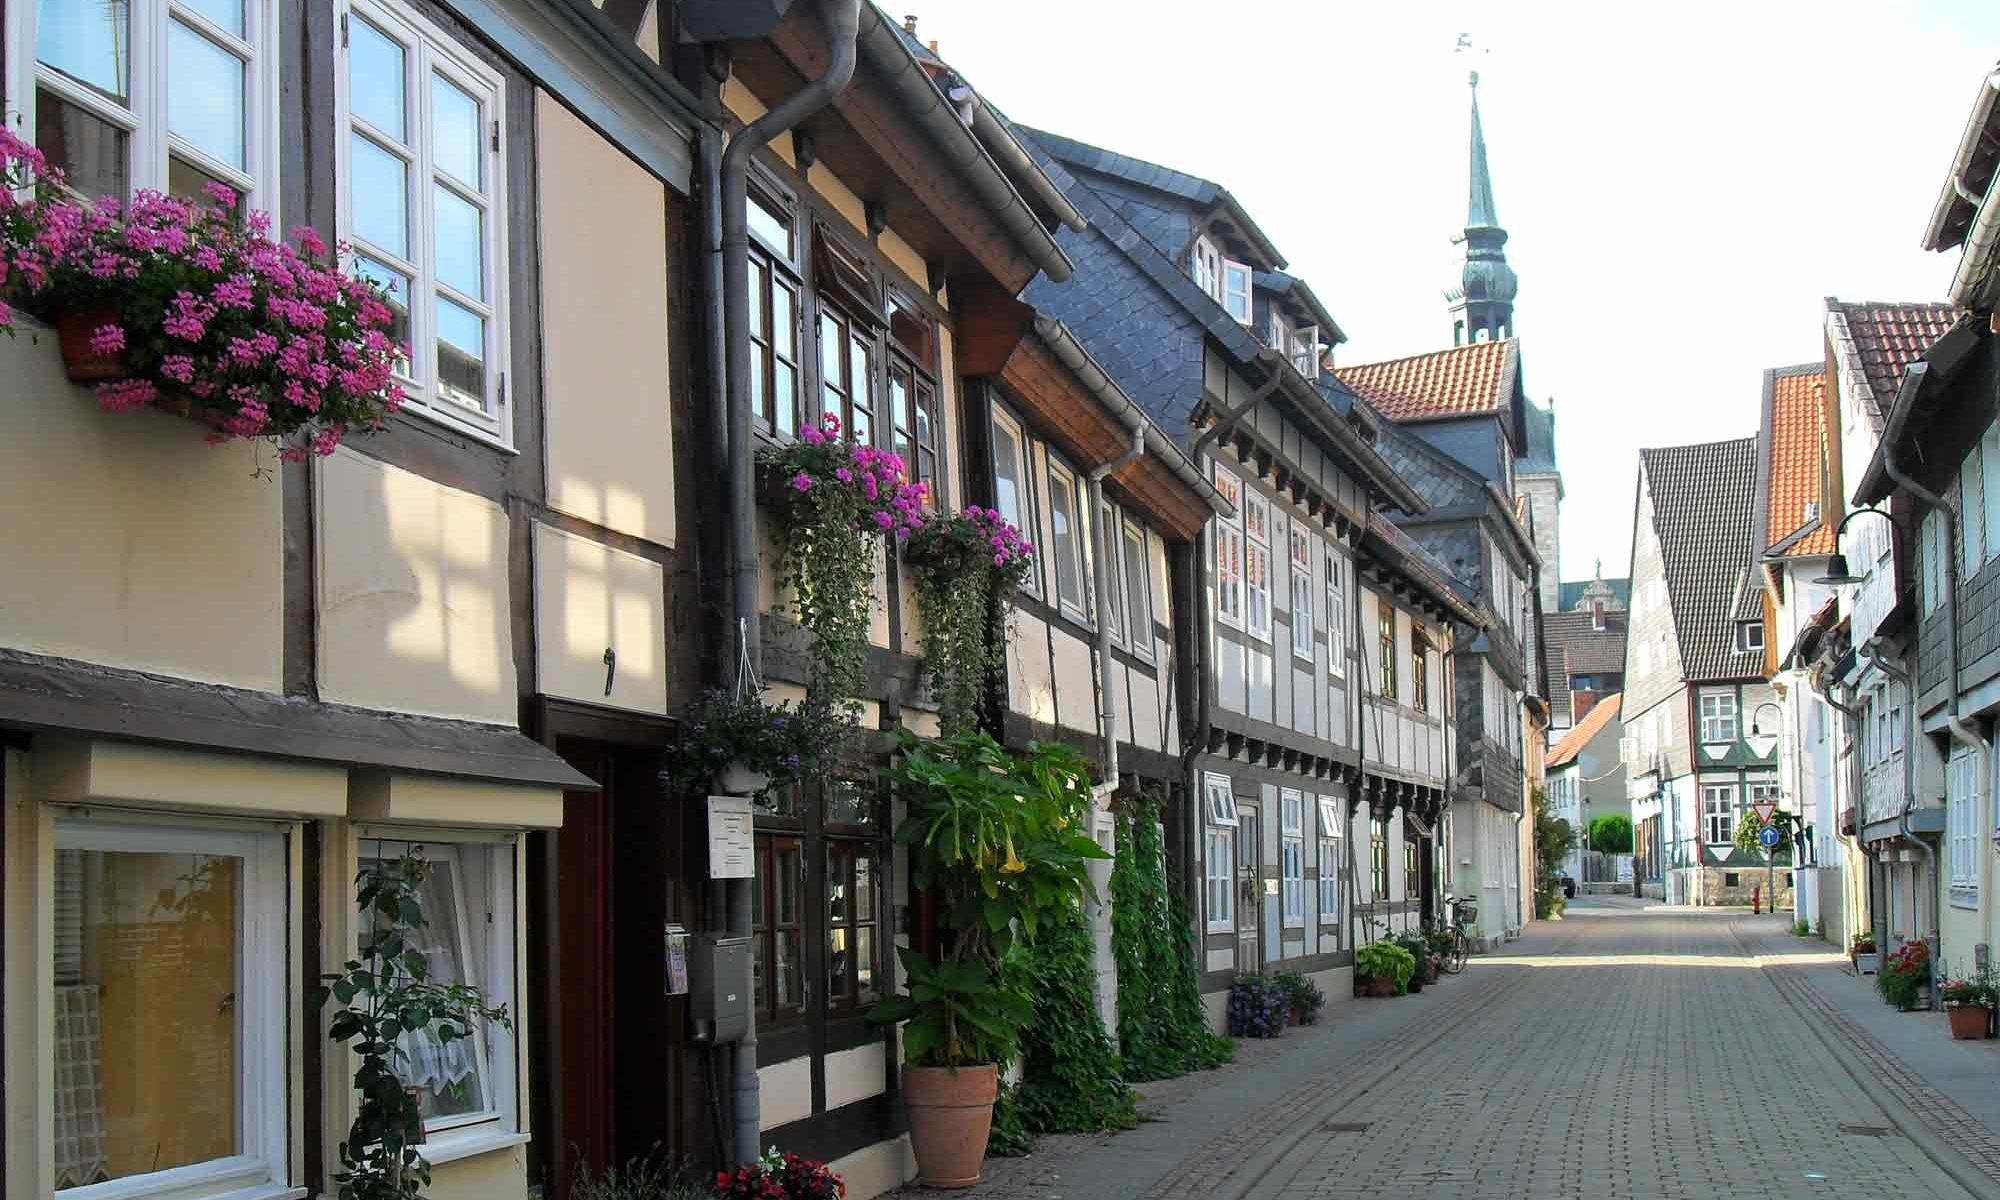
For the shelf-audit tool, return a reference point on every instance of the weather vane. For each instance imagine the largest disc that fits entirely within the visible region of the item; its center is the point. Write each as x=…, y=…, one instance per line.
x=1465, y=46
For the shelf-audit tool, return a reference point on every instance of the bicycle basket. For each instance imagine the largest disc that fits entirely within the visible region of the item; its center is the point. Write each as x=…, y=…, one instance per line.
x=1467, y=911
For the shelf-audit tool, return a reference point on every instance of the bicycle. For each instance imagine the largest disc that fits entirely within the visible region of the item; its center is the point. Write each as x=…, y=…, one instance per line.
x=1464, y=914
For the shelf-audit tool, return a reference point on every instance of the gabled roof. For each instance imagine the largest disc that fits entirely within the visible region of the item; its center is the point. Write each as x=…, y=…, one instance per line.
x=1601, y=714
x=1571, y=645
x=1884, y=338
x=1700, y=496
x=1201, y=193
x=1460, y=382
x=1792, y=505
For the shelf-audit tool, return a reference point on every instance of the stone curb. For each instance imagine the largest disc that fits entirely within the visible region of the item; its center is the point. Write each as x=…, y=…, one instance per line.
x=1883, y=1079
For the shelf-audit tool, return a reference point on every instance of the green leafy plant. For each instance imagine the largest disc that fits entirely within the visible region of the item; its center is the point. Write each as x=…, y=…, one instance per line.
x=784, y=742
x=1801, y=928
x=1418, y=943
x=1748, y=829
x=1554, y=839
x=1162, y=1025
x=999, y=840
x=833, y=501
x=1904, y=973
x=1302, y=996
x=1862, y=943
x=1071, y=1081
x=386, y=995
x=1610, y=834
x=1385, y=959
x=1973, y=990
x=964, y=567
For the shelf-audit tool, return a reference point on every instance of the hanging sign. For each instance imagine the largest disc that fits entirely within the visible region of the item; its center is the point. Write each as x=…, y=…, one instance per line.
x=731, y=848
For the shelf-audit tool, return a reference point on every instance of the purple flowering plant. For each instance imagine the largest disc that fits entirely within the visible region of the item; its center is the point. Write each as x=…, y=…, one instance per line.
x=965, y=567
x=207, y=313
x=784, y=742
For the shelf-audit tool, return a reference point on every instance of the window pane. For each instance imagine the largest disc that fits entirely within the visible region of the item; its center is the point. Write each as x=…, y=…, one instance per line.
x=205, y=94
x=460, y=244
x=859, y=382
x=784, y=322
x=849, y=803
x=770, y=225
x=839, y=964
x=785, y=388
x=380, y=197
x=1137, y=593
x=397, y=285
x=146, y=1026
x=89, y=149
x=227, y=14
x=1007, y=474
x=864, y=961
x=375, y=78
x=1062, y=511
x=864, y=887
x=88, y=40
x=461, y=354
x=836, y=884
x=455, y=132
x=791, y=993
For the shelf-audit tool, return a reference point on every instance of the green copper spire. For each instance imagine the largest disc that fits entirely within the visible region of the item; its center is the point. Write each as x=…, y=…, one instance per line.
x=1482, y=305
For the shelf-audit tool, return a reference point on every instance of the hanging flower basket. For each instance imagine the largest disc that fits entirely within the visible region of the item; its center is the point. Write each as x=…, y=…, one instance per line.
x=739, y=780
x=80, y=333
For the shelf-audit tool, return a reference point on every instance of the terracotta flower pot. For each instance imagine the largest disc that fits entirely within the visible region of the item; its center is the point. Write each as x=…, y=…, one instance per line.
x=83, y=365
x=951, y=1114
x=1968, y=1021
x=1381, y=985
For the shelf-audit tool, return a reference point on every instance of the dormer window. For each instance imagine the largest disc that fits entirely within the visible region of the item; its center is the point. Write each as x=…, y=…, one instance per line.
x=1205, y=267
x=1236, y=290
x=1749, y=637
x=1303, y=350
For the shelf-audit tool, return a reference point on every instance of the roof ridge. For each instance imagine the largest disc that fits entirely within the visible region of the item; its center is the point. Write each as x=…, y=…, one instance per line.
x=1806, y=368
x=1046, y=137
x=1509, y=340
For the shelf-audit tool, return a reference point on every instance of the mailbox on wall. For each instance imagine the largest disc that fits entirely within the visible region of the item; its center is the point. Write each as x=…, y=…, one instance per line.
x=720, y=988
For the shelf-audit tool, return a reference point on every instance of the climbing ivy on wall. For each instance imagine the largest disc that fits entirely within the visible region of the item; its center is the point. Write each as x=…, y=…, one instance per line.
x=1070, y=1081
x=1162, y=1027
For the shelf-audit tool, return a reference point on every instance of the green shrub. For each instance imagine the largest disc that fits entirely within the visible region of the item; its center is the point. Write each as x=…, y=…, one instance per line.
x=1301, y=995
x=1386, y=958
x=1162, y=1025
x=1070, y=1077
x=1611, y=834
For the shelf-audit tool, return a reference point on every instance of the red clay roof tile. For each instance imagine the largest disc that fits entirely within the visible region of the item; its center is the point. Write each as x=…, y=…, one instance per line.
x=1461, y=381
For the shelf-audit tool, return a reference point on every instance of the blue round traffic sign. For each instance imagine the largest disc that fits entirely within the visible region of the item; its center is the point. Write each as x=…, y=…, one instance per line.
x=1769, y=837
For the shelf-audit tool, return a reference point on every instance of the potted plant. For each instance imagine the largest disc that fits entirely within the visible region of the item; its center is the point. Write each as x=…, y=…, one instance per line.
x=747, y=746
x=1861, y=948
x=1968, y=1003
x=193, y=307
x=999, y=841
x=1382, y=968
x=1419, y=946
x=1259, y=1007
x=1302, y=997
x=1905, y=975
x=776, y=1176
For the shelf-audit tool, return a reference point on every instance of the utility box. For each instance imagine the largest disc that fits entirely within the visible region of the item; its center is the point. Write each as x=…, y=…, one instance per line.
x=720, y=981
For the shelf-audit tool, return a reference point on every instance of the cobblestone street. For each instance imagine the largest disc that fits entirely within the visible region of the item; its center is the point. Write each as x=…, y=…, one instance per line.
x=1620, y=1053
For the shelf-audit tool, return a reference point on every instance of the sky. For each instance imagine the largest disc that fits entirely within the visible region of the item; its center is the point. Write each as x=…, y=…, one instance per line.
x=1682, y=184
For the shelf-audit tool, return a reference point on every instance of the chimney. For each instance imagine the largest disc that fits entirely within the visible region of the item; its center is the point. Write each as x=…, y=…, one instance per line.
x=910, y=24
x=934, y=49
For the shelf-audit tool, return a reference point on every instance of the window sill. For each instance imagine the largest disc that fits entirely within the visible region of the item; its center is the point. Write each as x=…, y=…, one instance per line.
x=442, y=420
x=455, y=1146
x=1961, y=898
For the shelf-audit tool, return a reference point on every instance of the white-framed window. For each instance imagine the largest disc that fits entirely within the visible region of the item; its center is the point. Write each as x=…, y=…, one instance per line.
x=1219, y=866
x=168, y=95
x=1205, y=266
x=465, y=1089
x=1229, y=552
x=1303, y=350
x=1011, y=494
x=1718, y=715
x=1718, y=813
x=1292, y=855
x=1066, y=538
x=168, y=1030
x=1971, y=506
x=1113, y=605
x=422, y=198
x=1219, y=797
x=1138, y=590
x=1332, y=843
x=1336, y=617
x=1257, y=565
x=1750, y=637
x=1302, y=614
x=1963, y=825
x=1236, y=289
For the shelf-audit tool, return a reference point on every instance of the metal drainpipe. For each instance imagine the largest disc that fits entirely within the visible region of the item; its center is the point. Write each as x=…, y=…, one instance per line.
x=1854, y=725
x=1961, y=732
x=1107, y=705
x=843, y=22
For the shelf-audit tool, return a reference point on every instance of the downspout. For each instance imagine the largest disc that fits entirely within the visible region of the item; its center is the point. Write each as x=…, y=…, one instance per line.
x=843, y=18
x=1854, y=731
x=1107, y=705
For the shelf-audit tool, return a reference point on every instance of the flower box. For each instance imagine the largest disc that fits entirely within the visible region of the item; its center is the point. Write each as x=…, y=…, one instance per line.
x=76, y=330
x=1867, y=963
x=1969, y=1022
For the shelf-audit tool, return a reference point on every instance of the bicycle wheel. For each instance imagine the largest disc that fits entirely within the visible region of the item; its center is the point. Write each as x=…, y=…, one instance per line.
x=1455, y=961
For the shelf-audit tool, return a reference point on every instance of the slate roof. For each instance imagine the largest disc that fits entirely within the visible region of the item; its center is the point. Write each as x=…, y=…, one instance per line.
x=1541, y=455
x=1440, y=479
x=1571, y=592
x=1601, y=714
x=1203, y=193
x=1459, y=382
x=1571, y=647
x=1887, y=337
x=1794, y=470
x=1700, y=495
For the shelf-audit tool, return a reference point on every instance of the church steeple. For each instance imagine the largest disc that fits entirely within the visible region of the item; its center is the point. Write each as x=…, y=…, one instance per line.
x=1482, y=305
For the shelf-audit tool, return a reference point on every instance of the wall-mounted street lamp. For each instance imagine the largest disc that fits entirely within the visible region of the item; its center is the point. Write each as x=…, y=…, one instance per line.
x=1838, y=573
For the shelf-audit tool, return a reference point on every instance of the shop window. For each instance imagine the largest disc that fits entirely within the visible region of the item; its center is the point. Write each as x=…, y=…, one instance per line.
x=421, y=201
x=167, y=1029
x=466, y=938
